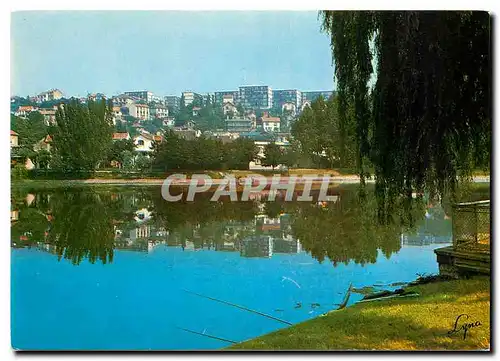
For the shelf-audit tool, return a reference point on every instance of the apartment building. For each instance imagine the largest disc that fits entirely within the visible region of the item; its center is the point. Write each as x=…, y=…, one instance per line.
x=158, y=111
x=145, y=95
x=173, y=102
x=280, y=97
x=256, y=97
x=208, y=98
x=139, y=111
x=157, y=99
x=313, y=95
x=192, y=98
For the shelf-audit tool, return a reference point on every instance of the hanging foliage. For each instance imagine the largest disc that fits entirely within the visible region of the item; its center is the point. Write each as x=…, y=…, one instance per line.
x=423, y=112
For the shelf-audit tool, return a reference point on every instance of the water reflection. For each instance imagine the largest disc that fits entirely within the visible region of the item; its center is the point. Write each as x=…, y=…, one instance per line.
x=90, y=223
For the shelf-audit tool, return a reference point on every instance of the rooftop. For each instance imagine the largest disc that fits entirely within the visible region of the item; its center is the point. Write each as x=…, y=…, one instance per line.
x=120, y=135
x=26, y=107
x=258, y=135
x=271, y=119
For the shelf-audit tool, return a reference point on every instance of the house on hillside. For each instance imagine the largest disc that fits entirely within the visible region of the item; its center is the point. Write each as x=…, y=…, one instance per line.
x=224, y=137
x=196, y=111
x=96, y=97
x=158, y=111
x=43, y=144
x=117, y=114
x=122, y=100
x=49, y=95
x=14, y=139
x=144, y=143
x=236, y=125
x=187, y=131
x=305, y=104
x=229, y=109
x=169, y=122
x=289, y=108
x=15, y=157
x=271, y=124
x=24, y=110
x=49, y=116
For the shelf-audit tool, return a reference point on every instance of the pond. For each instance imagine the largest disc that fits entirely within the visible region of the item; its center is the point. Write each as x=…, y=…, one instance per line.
x=119, y=268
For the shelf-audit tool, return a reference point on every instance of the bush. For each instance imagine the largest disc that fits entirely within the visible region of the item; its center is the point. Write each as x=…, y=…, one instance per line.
x=19, y=172
x=51, y=174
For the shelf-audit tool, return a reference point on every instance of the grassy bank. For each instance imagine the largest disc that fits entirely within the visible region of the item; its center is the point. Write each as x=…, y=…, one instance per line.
x=414, y=323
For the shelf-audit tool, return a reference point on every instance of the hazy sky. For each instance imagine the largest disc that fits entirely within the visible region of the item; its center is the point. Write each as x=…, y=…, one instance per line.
x=167, y=52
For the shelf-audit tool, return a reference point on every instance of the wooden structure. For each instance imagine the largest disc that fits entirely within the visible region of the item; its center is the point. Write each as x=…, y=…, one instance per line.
x=470, y=252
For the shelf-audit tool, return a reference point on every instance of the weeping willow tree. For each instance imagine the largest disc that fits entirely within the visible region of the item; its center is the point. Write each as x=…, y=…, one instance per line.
x=419, y=87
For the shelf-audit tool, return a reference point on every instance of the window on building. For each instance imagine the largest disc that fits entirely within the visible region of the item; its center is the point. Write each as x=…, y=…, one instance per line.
x=140, y=142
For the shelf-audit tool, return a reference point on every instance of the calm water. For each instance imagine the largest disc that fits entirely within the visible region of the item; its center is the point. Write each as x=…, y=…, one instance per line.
x=108, y=268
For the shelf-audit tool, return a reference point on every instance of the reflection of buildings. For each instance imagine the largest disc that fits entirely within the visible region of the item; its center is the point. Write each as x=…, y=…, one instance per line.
x=266, y=246
x=142, y=231
x=265, y=223
x=434, y=228
x=14, y=215
x=230, y=246
x=141, y=234
x=257, y=246
x=142, y=215
x=286, y=245
x=424, y=240
x=137, y=229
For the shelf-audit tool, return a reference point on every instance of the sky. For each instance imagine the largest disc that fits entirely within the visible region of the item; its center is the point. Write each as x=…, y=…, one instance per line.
x=167, y=52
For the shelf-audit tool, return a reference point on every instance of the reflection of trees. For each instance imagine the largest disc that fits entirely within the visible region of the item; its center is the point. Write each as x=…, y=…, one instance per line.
x=76, y=223
x=349, y=229
x=82, y=226
x=33, y=219
x=79, y=223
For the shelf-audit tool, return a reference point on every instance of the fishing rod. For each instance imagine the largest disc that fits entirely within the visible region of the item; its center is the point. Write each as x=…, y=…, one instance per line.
x=346, y=298
x=206, y=335
x=240, y=307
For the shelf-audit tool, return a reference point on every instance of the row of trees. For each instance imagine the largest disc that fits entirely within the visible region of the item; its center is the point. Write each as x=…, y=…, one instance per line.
x=202, y=153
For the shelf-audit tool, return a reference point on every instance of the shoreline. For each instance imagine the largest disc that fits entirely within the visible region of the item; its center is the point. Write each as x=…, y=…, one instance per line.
x=379, y=325
x=333, y=180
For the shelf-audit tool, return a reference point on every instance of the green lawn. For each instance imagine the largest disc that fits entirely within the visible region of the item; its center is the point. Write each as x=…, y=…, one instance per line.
x=413, y=323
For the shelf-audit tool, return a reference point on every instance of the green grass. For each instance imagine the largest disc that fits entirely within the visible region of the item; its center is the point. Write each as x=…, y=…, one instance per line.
x=413, y=323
